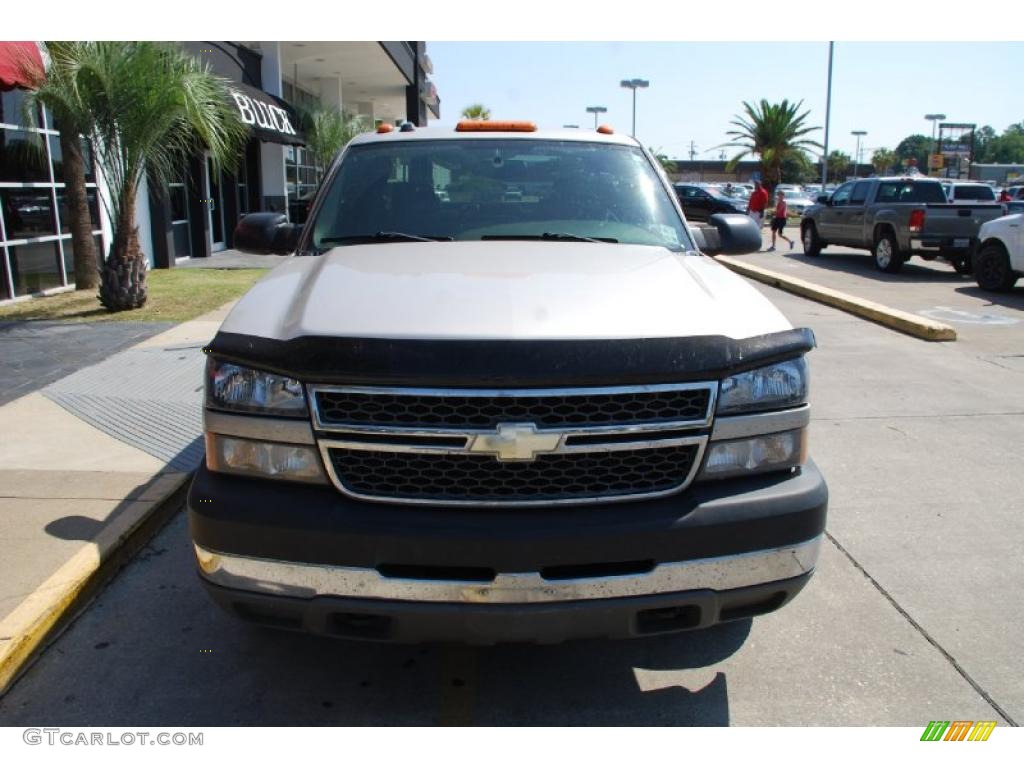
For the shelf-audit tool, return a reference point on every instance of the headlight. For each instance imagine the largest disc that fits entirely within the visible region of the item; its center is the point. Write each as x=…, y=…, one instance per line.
x=762, y=453
x=780, y=385
x=237, y=388
x=280, y=461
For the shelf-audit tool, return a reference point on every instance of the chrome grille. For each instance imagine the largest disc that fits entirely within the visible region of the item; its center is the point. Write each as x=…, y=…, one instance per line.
x=550, y=478
x=512, y=447
x=460, y=409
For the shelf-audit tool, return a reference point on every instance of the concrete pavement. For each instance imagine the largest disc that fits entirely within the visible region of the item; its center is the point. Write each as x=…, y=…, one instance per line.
x=911, y=616
x=73, y=489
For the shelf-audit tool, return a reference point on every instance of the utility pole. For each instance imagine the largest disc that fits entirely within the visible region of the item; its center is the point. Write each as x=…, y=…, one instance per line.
x=693, y=150
x=828, y=115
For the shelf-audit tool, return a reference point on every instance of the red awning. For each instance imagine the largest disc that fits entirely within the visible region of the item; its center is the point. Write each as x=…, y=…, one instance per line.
x=21, y=65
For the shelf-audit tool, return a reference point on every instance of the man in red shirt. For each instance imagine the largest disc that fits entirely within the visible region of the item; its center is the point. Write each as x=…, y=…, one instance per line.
x=757, y=203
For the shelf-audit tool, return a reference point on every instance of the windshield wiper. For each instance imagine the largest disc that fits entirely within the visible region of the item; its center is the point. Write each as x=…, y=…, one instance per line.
x=379, y=237
x=552, y=236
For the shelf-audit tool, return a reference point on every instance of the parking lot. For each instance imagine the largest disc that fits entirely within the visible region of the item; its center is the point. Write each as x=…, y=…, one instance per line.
x=911, y=616
x=989, y=322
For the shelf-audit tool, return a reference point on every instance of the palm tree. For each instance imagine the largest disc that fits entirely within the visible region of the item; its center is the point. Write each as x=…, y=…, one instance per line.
x=328, y=130
x=143, y=108
x=772, y=131
x=883, y=160
x=476, y=112
x=838, y=164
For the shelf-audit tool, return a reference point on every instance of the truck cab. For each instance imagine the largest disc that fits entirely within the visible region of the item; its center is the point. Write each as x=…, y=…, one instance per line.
x=458, y=414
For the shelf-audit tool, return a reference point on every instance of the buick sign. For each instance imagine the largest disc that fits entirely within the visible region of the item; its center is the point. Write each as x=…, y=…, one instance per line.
x=272, y=119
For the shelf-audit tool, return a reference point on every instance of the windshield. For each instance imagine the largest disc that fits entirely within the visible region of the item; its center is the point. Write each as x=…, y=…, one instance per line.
x=973, y=192
x=910, y=192
x=482, y=189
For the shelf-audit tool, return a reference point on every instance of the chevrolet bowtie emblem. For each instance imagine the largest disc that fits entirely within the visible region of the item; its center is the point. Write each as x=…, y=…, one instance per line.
x=516, y=442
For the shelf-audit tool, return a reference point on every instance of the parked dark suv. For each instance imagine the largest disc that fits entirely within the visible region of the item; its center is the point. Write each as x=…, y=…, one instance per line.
x=700, y=203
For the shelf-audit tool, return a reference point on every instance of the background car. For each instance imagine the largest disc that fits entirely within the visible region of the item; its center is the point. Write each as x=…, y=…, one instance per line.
x=700, y=203
x=957, y=191
x=797, y=202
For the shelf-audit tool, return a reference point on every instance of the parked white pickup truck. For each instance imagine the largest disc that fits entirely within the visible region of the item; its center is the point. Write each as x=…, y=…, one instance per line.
x=999, y=259
x=492, y=417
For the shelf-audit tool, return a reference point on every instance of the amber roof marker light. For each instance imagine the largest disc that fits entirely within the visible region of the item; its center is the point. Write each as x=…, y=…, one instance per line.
x=607, y=129
x=502, y=126
x=385, y=128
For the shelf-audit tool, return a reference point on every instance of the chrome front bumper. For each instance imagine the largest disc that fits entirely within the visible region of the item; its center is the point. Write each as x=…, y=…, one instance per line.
x=306, y=580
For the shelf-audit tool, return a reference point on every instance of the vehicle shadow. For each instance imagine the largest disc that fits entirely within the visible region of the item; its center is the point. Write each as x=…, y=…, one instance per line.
x=1014, y=299
x=861, y=264
x=665, y=680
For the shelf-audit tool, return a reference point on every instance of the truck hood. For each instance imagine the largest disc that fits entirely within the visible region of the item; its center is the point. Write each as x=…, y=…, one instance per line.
x=502, y=290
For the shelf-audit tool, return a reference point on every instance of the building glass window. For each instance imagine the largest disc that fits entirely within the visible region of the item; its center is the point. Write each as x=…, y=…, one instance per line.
x=65, y=213
x=22, y=157
x=34, y=267
x=36, y=253
x=28, y=212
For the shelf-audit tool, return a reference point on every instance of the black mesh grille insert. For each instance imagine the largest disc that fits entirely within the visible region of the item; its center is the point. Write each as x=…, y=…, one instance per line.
x=550, y=477
x=546, y=411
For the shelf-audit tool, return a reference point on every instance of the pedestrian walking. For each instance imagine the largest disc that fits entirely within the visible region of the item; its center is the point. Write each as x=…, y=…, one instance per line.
x=1004, y=196
x=779, y=220
x=757, y=203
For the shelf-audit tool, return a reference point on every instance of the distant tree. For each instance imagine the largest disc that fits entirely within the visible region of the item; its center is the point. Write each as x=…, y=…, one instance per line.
x=982, y=143
x=838, y=165
x=476, y=112
x=917, y=147
x=1008, y=148
x=884, y=161
x=328, y=130
x=797, y=168
x=772, y=131
x=666, y=163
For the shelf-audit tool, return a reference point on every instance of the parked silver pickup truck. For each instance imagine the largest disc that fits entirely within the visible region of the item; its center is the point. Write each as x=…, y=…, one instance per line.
x=494, y=417
x=896, y=218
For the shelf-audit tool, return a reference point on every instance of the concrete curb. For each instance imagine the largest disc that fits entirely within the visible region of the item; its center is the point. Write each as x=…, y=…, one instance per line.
x=54, y=604
x=897, y=319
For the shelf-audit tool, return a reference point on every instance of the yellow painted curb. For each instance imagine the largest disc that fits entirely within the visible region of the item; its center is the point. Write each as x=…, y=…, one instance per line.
x=897, y=319
x=27, y=627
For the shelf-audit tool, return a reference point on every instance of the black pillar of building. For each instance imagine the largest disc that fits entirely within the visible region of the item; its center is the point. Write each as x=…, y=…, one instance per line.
x=415, y=108
x=160, y=225
x=198, y=208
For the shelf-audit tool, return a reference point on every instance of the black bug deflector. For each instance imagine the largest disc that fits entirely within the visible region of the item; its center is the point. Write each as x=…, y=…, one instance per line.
x=562, y=363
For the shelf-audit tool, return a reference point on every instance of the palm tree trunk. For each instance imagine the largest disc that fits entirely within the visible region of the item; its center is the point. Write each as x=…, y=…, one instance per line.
x=87, y=274
x=124, y=273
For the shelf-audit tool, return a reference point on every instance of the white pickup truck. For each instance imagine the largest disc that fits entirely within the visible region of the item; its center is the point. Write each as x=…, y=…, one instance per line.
x=459, y=413
x=999, y=258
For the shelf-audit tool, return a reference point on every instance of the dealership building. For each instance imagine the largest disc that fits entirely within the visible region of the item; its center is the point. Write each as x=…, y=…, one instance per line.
x=195, y=216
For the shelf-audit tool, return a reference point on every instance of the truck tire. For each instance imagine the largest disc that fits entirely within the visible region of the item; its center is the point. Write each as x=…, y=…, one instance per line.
x=992, y=268
x=962, y=263
x=811, y=242
x=888, y=257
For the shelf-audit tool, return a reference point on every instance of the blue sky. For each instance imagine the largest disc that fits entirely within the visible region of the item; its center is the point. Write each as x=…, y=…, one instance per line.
x=696, y=88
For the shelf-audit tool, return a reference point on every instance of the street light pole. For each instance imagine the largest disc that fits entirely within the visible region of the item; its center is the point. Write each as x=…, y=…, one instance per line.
x=934, y=118
x=633, y=84
x=828, y=114
x=856, y=155
x=596, y=111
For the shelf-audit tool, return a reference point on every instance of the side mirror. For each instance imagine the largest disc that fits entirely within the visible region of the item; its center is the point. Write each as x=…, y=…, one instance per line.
x=263, y=233
x=731, y=234
x=823, y=199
